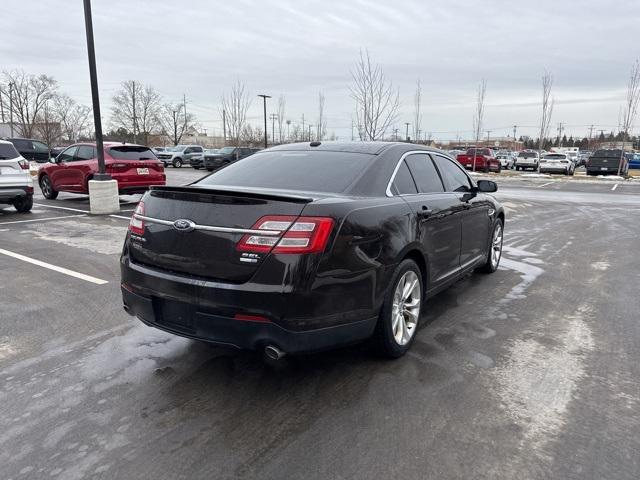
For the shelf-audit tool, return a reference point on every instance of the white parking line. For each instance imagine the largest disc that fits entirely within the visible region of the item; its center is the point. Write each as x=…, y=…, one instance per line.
x=41, y=219
x=55, y=268
x=545, y=184
x=61, y=208
x=614, y=187
x=120, y=216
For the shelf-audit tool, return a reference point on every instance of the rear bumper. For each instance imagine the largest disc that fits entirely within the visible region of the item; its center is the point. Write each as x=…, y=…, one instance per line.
x=206, y=311
x=9, y=194
x=554, y=168
x=125, y=186
x=603, y=170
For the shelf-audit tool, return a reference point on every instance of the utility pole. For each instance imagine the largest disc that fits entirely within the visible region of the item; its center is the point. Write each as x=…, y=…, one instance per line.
x=133, y=96
x=1, y=106
x=264, y=102
x=352, y=130
x=303, y=126
x=224, y=126
x=590, y=136
x=310, y=131
x=273, y=117
x=184, y=103
x=407, y=134
x=559, y=133
x=514, y=137
x=488, y=135
x=11, y=85
x=417, y=139
x=395, y=134
x=288, y=125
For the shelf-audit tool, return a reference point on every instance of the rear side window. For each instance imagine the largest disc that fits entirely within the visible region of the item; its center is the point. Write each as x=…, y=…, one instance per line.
x=86, y=152
x=403, y=183
x=424, y=173
x=131, y=152
x=313, y=171
x=454, y=177
x=40, y=147
x=8, y=151
x=67, y=155
x=23, y=145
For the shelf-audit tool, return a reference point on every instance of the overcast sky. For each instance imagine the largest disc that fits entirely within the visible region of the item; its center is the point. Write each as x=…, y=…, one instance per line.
x=298, y=48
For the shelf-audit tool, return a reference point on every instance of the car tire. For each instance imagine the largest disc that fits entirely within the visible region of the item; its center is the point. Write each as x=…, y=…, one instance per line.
x=495, y=248
x=165, y=164
x=177, y=162
x=209, y=169
x=395, y=331
x=24, y=204
x=196, y=167
x=47, y=188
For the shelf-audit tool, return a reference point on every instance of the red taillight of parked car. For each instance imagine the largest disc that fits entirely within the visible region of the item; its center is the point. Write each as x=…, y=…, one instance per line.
x=136, y=225
x=24, y=165
x=288, y=235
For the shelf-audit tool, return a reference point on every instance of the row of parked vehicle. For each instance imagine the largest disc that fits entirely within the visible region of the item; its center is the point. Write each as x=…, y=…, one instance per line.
x=601, y=162
x=198, y=157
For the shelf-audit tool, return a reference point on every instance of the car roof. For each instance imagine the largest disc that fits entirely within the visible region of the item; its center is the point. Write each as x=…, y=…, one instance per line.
x=372, y=148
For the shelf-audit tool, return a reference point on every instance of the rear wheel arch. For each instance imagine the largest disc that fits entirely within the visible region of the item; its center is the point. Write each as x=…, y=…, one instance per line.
x=420, y=259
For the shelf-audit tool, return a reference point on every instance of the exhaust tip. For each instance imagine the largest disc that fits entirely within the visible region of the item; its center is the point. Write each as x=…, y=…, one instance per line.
x=273, y=352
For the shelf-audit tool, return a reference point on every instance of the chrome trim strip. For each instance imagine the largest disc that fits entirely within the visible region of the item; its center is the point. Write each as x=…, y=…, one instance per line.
x=209, y=228
x=388, y=192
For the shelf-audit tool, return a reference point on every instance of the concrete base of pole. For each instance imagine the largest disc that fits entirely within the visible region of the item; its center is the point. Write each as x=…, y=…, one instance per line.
x=103, y=197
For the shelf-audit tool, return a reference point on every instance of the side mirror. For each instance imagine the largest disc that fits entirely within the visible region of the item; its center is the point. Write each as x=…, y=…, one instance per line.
x=52, y=159
x=487, y=186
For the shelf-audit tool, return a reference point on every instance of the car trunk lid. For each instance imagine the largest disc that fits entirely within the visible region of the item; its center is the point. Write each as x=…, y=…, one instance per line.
x=214, y=220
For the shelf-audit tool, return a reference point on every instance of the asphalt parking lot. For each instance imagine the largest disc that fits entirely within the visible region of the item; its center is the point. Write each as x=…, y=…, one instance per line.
x=528, y=373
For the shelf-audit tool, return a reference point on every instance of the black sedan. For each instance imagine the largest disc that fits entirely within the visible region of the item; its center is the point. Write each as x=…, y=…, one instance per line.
x=305, y=247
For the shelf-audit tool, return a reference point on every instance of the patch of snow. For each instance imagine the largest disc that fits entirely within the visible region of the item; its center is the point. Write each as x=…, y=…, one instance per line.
x=536, y=175
x=528, y=274
x=7, y=349
x=610, y=177
x=602, y=266
x=475, y=174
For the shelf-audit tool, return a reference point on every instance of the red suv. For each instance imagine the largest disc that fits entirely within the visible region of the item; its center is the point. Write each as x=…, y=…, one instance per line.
x=134, y=167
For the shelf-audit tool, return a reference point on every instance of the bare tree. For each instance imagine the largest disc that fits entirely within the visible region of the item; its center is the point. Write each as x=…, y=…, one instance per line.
x=478, y=117
x=173, y=121
x=73, y=117
x=235, y=104
x=376, y=100
x=417, y=114
x=547, y=109
x=29, y=94
x=281, y=113
x=47, y=126
x=136, y=108
x=630, y=108
x=321, y=127
x=252, y=136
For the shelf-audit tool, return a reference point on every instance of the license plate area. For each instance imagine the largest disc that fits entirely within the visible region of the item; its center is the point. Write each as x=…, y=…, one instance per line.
x=603, y=168
x=143, y=171
x=175, y=315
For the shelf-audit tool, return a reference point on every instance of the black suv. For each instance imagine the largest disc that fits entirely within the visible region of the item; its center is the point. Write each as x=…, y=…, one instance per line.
x=226, y=156
x=31, y=149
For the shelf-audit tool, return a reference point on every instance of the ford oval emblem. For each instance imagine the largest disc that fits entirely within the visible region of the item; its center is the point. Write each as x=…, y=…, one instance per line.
x=184, y=225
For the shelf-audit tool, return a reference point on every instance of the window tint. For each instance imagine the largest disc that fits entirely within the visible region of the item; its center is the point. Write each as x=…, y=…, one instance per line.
x=454, y=177
x=314, y=171
x=85, y=152
x=403, y=183
x=40, y=147
x=22, y=145
x=129, y=152
x=424, y=173
x=67, y=155
x=7, y=151
x=197, y=149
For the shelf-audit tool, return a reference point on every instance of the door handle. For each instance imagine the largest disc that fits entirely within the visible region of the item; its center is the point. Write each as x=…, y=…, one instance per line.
x=425, y=212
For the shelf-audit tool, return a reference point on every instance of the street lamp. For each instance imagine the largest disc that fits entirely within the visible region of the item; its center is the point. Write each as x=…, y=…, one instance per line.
x=264, y=100
x=407, y=136
x=103, y=191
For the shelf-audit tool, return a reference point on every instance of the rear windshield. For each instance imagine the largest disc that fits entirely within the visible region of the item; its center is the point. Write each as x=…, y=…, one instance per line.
x=8, y=151
x=128, y=152
x=558, y=156
x=607, y=153
x=331, y=172
x=527, y=155
x=479, y=151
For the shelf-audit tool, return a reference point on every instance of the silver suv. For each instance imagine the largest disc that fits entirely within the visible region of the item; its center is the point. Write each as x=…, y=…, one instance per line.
x=16, y=186
x=180, y=155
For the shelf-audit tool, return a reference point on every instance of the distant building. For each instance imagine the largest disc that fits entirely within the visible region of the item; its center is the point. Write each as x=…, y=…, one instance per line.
x=626, y=146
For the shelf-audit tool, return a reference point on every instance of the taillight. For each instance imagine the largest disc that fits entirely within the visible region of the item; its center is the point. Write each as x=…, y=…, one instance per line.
x=117, y=166
x=24, y=165
x=136, y=225
x=295, y=235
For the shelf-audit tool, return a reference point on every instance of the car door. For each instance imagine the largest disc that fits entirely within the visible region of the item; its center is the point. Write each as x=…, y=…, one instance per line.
x=476, y=220
x=84, y=164
x=59, y=174
x=437, y=217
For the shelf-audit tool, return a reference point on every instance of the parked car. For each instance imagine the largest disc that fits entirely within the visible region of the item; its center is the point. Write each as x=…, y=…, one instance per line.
x=634, y=162
x=33, y=150
x=583, y=157
x=180, y=155
x=607, y=162
x=134, y=167
x=198, y=162
x=505, y=159
x=158, y=149
x=16, y=186
x=557, y=163
x=305, y=247
x=227, y=155
x=527, y=159
x=483, y=158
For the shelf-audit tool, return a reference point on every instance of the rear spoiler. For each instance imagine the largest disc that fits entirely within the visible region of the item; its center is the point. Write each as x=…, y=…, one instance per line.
x=236, y=192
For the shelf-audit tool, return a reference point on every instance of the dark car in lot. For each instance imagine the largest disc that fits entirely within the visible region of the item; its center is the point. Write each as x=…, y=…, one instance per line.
x=31, y=149
x=305, y=247
x=607, y=162
x=227, y=155
x=134, y=167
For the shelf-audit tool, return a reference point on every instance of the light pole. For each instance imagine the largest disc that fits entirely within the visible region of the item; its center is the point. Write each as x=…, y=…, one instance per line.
x=103, y=191
x=264, y=102
x=407, y=135
x=288, y=125
x=310, y=131
x=273, y=118
x=11, y=84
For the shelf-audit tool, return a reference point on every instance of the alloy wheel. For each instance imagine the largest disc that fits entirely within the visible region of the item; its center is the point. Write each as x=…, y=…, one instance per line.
x=45, y=185
x=496, y=245
x=406, y=308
